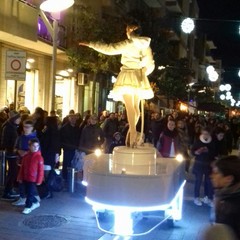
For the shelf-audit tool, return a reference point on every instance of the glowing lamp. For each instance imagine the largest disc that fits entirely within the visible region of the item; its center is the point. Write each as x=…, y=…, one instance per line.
x=179, y=157
x=228, y=93
x=213, y=76
x=187, y=25
x=56, y=6
x=98, y=152
x=239, y=73
x=222, y=88
x=228, y=87
x=210, y=69
x=222, y=97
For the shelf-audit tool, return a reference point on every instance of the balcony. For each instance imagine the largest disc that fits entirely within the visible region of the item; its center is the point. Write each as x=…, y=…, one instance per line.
x=173, y=6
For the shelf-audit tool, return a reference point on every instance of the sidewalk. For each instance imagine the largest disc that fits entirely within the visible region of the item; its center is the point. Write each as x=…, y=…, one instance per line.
x=67, y=216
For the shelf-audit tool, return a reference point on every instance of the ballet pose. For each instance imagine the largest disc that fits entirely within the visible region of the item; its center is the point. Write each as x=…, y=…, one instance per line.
x=132, y=84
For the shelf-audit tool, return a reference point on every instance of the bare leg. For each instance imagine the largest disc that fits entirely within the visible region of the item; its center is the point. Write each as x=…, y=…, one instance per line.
x=133, y=114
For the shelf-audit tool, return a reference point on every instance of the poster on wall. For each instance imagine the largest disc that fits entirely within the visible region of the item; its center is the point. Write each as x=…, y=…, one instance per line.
x=15, y=65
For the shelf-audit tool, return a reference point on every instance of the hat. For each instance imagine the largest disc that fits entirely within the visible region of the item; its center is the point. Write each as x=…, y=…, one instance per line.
x=14, y=115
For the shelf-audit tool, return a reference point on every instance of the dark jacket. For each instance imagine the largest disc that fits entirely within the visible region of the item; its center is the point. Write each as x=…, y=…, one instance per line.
x=69, y=137
x=8, y=138
x=220, y=147
x=203, y=160
x=227, y=207
x=110, y=127
x=92, y=137
x=156, y=129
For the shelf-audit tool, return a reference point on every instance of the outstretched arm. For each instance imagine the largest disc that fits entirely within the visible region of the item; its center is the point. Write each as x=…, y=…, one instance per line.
x=108, y=49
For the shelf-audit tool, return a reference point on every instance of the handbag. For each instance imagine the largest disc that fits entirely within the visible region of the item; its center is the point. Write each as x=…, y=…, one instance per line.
x=54, y=181
x=78, y=160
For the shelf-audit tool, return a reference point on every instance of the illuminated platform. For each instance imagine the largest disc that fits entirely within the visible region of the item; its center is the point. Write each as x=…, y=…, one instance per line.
x=131, y=182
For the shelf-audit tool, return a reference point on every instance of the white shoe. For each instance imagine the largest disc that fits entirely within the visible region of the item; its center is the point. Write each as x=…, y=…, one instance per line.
x=27, y=210
x=35, y=205
x=19, y=202
x=207, y=201
x=197, y=201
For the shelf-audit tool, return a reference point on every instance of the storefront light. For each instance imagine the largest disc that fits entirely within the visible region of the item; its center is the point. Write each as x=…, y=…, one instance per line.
x=30, y=60
x=64, y=73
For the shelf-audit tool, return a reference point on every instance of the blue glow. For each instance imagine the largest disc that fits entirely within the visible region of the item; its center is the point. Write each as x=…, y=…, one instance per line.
x=123, y=222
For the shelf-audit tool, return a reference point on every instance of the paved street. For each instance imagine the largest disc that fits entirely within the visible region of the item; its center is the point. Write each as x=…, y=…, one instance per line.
x=77, y=220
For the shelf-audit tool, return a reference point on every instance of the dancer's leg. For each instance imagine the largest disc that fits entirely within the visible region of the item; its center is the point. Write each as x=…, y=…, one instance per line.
x=129, y=101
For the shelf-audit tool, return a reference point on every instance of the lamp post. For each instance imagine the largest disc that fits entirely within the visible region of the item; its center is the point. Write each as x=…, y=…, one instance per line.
x=53, y=7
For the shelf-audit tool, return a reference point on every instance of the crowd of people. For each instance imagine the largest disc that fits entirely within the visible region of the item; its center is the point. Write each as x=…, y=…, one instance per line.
x=41, y=136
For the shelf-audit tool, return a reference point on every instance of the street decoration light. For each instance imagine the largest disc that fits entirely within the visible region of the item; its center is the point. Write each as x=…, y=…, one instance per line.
x=228, y=87
x=239, y=73
x=56, y=6
x=228, y=93
x=210, y=69
x=222, y=97
x=213, y=76
x=53, y=6
x=222, y=88
x=187, y=25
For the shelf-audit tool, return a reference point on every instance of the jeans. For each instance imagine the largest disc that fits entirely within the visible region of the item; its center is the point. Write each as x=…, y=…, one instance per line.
x=67, y=158
x=12, y=174
x=31, y=190
x=208, y=188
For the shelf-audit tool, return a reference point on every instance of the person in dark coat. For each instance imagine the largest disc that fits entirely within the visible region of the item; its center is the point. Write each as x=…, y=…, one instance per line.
x=110, y=126
x=156, y=128
x=50, y=142
x=8, y=141
x=204, y=151
x=92, y=136
x=228, y=137
x=168, y=144
x=39, y=118
x=69, y=139
x=226, y=181
x=220, y=142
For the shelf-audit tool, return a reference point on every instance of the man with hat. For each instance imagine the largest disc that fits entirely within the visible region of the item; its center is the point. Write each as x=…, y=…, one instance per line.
x=8, y=140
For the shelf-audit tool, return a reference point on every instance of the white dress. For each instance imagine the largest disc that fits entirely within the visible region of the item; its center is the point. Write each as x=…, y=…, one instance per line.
x=137, y=62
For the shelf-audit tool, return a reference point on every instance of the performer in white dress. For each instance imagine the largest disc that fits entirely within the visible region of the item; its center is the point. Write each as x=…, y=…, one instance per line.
x=132, y=84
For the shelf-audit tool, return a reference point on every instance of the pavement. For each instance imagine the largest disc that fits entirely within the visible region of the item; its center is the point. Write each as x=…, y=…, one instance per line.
x=67, y=216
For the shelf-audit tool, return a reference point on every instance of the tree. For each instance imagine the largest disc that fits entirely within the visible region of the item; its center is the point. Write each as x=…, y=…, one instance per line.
x=173, y=81
x=87, y=26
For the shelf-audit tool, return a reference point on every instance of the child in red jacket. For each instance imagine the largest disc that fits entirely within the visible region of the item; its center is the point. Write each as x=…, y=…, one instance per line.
x=31, y=174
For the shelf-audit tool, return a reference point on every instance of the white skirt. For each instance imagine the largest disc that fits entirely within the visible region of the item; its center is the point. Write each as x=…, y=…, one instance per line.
x=132, y=82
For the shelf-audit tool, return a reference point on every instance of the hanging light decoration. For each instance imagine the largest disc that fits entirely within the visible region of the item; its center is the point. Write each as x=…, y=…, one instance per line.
x=222, y=97
x=187, y=25
x=56, y=5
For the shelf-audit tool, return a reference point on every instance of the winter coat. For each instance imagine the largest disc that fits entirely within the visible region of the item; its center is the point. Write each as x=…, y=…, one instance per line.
x=203, y=160
x=227, y=207
x=50, y=145
x=32, y=168
x=110, y=127
x=220, y=147
x=166, y=139
x=8, y=138
x=92, y=137
x=69, y=137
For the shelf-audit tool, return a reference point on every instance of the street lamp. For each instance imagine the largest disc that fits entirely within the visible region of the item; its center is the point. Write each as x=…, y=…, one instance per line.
x=53, y=7
x=187, y=25
x=56, y=6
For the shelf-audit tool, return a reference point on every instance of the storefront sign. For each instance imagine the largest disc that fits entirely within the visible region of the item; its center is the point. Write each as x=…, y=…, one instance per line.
x=16, y=65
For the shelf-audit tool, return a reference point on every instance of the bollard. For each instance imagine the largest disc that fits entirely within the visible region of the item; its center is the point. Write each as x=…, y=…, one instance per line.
x=2, y=168
x=71, y=179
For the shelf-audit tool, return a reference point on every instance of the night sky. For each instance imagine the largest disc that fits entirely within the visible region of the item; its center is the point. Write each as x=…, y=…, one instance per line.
x=220, y=20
